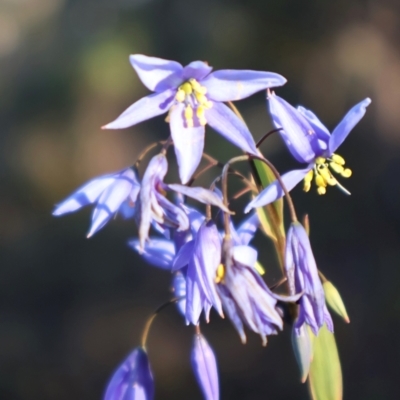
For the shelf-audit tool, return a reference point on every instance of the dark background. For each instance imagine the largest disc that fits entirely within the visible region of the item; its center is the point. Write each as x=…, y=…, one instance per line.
x=71, y=308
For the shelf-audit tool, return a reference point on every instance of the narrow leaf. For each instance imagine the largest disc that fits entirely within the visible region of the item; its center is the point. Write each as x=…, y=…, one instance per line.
x=325, y=377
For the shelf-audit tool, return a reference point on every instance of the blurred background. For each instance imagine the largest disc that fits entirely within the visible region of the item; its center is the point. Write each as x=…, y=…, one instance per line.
x=71, y=308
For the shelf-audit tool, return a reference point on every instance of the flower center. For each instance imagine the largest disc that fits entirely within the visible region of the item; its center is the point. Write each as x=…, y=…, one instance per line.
x=322, y=173
x=194, y=96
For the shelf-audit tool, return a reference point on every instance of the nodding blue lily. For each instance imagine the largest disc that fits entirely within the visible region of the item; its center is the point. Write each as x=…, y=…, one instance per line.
x=194, y=96
x=133, y=379
x=310, y=142
x=110, y=193
x=302, y=273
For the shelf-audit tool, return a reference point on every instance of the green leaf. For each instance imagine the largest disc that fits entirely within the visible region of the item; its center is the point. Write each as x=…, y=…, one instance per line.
x=325, y=377
x=271, y=216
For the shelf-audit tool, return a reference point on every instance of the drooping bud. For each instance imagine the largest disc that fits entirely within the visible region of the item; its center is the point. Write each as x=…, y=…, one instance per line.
x=302, y=348
x=204, y=366
x=133, y=379
x=334, y=300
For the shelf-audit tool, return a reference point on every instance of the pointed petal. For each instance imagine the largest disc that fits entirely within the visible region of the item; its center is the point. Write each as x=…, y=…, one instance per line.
x=248, y=228
x=200, y=194
x=195, y=299
x=196, y=70
x=143, y=109
x=302, y=350
x=349, y=121
x=133, y=379
x=111, y=199
x=157, y=252
x=188, y=144
x=232, y=85
x=157, y=74
x=227, y=123
x=85, y=195
x=297, y=133
x=320, y=129
x=245, y=255
x=274, y=191
x=184, y=255
x=179, y=290
x=204, y=366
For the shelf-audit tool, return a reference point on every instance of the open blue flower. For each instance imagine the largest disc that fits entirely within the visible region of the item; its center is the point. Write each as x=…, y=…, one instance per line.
x=194, y=96
x=310, y=142
x=302, y=273
x=110, y=193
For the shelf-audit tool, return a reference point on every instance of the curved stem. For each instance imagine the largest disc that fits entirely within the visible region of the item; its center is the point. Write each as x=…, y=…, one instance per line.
x=150, y=320
x=258, y=144
x=146, y=150
x=289, y=200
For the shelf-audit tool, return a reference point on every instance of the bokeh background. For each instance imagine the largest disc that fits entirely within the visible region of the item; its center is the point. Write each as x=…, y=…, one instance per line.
x=72, y=308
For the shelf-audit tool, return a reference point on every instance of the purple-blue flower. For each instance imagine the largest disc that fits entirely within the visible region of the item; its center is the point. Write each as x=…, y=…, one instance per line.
x=133, y=380
x=302, y=273
x=310, y=142
x=194, y=96
x=109, y=192
x=204, y=366
x=202, y=257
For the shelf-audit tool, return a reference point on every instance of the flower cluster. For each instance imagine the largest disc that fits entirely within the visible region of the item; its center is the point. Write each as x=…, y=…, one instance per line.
x=212, y=263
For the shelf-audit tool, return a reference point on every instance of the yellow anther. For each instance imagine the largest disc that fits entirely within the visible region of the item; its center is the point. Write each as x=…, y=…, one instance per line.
x=189, y=116
x=259, y=268
x=320, y=160
x=208, y=104
x=200, y=97
x=324, y=172
x=187, y=88
x=337, y=159
x=332, y=181
x=220, y=273
x=180, y=95
x=320, y=181
x=201, y=116
x=195, y=85
x=309, y=176
x=321, y=190
x=306, y=186
x=347, y=173
x=338, y=168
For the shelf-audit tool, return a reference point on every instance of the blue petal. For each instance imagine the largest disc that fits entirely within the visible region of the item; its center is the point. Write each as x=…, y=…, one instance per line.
x=157, y=74
x=245, y=255
x=320, y=129
x=349, y=121
x=195, y=299
x=85, y=195
x=297, y=133
x=188, y=144
x=145, y=108
x=231, y=85
x=274, y=191
x=204, y=366
x=200, y=194
x=157, y=252
x=184, y=255
x=111, y=199
x=248, y=228
x=179, y=290
x=196, y=70
x=227, y=123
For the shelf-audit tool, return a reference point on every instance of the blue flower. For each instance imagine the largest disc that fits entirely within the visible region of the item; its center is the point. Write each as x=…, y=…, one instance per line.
x=310, y=142
x=302, y=274
x=205, y=368
x=133, y=380
x=111, y=193
x=202, y=256
x=194, y=96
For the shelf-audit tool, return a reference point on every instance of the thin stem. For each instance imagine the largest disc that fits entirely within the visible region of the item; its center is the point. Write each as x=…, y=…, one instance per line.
x=197, y=328
x=279, y=283
x=150, y=320
x=289, y=200
x=201, y=172
x=241, y=193
x=225, y=191
x=146, y=150
x=258, y=144
x=236, y=111
x=322, y=276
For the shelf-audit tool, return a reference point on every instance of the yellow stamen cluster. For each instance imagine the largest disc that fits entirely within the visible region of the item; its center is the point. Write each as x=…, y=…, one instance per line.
x=322, y=173
x=220, y=273
x=194, y=96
